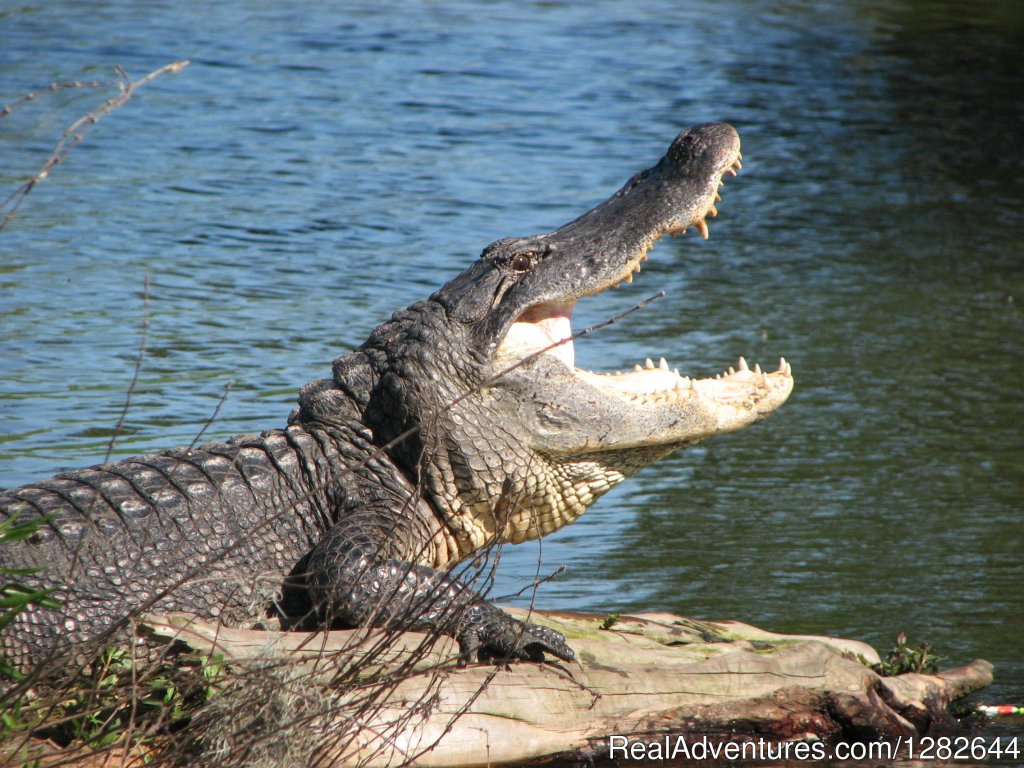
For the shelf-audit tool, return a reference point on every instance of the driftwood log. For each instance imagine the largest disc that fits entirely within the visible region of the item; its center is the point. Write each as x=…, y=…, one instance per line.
x=643, y=677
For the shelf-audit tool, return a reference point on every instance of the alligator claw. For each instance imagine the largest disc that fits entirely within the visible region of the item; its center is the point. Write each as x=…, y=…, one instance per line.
x=488, y=633
x=539, y=640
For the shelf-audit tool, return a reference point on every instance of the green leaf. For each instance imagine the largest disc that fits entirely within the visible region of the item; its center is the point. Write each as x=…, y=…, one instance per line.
x=12, y=530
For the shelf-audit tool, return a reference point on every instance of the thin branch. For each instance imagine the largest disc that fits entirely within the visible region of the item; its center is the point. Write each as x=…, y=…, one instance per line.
x=77, y=131
x=213, y=416
x=579, y=334
x=135, y=375
x=533, y=585
x=519, y=364
x=6, y=109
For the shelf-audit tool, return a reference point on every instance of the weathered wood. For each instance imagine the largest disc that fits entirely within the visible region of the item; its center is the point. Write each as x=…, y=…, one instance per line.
x=648, y=675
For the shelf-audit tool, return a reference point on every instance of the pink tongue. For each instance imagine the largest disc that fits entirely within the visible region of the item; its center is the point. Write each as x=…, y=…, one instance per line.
x=557, y=328
x=554, y=321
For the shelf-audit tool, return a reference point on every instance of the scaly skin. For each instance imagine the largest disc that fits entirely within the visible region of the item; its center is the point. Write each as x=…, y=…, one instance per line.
x=460, y=423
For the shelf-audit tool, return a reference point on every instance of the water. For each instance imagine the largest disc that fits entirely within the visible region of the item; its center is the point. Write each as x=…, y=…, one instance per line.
x=317, y=167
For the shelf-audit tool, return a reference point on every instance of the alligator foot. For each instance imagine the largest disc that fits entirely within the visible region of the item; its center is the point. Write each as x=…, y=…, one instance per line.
x=488, y=633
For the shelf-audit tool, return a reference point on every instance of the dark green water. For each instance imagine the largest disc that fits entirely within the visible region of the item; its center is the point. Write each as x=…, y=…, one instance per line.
x=319, y=166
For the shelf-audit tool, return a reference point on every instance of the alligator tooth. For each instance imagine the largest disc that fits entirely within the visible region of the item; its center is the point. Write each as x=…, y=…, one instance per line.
x=663, y=364
x=649, y=364
x=637, y=368
x=757, y=367
x=702, y=227
x=718, y=197
x=712, y=211
x=742, y=364
x=731, y=370
x=629, y=278
x=731, y=171
x=675, y=371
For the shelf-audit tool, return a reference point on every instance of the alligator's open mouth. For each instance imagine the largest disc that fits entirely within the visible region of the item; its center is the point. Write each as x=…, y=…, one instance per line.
x=545, y=328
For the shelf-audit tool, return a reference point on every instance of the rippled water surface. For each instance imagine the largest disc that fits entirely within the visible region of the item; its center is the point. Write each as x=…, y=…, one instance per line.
x=318, y=166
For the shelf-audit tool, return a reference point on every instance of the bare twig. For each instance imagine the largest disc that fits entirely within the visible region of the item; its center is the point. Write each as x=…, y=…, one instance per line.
x=213, y=416
x=78, y=129
x=519, y=364
x=533, y=585
x=135, y=376
x=6, y=109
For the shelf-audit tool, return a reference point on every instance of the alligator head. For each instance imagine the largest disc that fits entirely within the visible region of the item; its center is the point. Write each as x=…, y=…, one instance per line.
x=513, y=440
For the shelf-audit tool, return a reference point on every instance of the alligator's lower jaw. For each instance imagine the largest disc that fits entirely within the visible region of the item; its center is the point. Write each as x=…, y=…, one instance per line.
x=737, y=397
x=648, y=381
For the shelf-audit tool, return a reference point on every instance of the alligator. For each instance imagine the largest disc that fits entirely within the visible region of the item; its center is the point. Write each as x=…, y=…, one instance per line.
x=461, y=423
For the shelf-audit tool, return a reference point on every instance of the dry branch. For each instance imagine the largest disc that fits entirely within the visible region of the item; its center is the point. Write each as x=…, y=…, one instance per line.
x=78, y=129
x=8, y=108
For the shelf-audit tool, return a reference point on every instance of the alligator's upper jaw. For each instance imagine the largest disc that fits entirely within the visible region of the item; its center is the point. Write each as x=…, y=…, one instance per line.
x=606, y=246
x=725, y=402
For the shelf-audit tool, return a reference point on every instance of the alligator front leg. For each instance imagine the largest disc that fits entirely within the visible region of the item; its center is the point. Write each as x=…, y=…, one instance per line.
x=351, y=578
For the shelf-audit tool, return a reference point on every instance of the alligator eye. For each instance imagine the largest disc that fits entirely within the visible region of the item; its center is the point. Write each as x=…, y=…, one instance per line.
x=521, y=262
